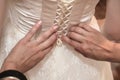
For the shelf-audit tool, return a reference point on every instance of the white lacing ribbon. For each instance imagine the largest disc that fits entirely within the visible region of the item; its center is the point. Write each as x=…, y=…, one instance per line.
x=62, y=18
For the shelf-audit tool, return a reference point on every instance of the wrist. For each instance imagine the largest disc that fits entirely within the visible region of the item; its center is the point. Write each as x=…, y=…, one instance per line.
x=113, y=51
x=116, y=53
x=9, y=66
x=108, y=45
x=109, y=50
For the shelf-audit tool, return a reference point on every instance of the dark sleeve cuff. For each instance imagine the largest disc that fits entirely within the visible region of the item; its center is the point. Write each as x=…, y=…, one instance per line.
x=13, y=73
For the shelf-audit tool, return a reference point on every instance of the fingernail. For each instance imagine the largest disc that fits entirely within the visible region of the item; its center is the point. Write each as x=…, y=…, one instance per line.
x=55, y=27
x=39, y=22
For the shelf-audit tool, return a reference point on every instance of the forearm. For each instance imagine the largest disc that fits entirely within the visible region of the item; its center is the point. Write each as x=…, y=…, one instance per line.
x=8, y=66
x=111, y=27
x=2, y=13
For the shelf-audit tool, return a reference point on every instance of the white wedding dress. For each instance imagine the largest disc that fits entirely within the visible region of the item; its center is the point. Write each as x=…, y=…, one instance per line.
x=63, y=62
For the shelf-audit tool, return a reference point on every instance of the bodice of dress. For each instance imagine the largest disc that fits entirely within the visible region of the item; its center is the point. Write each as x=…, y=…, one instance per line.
x=62, y=63
x=24, y=14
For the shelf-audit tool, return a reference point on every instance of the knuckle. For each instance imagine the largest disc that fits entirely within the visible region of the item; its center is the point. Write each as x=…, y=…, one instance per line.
x=86, y=26
x=71, y=34
x=77, y=29
x=85, y=55
x=32, y=31
x=72, y=28
x=44, y=46
x=71, y=42
x=44, y=36
x=53, y=38
x=78, y=46
x=22, y=42
x=85, y=48
x=52, y=30
x=49, y=42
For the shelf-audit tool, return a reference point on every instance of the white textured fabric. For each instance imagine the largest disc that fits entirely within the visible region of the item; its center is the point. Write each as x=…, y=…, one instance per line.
x=62, y=63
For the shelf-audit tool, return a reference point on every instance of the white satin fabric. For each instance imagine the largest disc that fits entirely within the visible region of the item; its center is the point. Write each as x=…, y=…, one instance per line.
x=62, y=63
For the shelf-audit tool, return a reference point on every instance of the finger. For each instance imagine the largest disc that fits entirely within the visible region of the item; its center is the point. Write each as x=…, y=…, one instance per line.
x=41, y=54
x=50, y=41
x=46, y=51
x=33, y=31
x=87, y=28
x=76, y=45
x=71, y=42
x=76, y=36
x=47, y=34
x=79, y=30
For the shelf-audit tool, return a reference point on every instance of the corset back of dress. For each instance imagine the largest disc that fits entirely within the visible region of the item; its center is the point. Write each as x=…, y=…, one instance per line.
x=62, y=63
x=24, y=14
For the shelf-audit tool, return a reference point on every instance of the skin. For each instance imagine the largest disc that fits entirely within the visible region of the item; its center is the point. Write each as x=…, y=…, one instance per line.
x=2, y=11
x=89, y=42
x=111, y=27
x=84, y=39
x=93, y=44
x=27, y=53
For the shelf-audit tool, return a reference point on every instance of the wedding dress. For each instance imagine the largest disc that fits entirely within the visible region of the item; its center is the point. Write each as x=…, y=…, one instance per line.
x=63, y=62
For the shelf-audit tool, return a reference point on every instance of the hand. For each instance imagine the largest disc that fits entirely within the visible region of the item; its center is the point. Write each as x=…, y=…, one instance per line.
x=89, y=42
x=28, y=52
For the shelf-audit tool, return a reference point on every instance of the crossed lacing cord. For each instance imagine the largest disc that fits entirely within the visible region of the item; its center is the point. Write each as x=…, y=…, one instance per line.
x=62, y=18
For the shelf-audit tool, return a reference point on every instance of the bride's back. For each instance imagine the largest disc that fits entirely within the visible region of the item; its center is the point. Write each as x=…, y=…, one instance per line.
x=63, y=63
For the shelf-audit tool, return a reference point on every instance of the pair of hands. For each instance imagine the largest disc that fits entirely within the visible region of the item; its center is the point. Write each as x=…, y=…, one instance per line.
x=84, y=39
